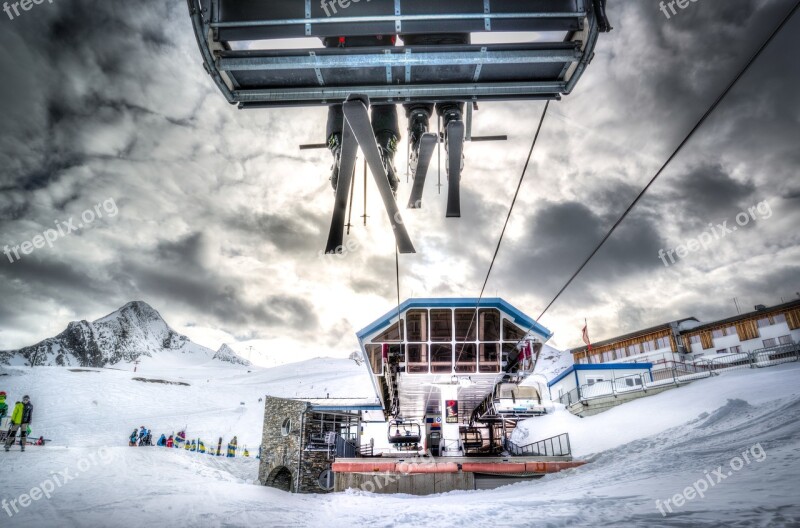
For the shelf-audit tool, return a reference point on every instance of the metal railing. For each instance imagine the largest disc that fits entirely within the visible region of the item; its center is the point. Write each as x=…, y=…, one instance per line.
x=675, y=372
x=554, y=446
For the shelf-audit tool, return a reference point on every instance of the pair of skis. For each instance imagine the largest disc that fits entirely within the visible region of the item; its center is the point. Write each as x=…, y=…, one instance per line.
x=358, y=132
x=455, y=151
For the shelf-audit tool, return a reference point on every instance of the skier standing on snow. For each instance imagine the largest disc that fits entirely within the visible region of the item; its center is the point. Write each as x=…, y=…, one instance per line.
x=170, y=442
x=133, y=438
x=20, y=420
x=162, y=442
x=3, y=405
x=232, y=448
x=3, y=417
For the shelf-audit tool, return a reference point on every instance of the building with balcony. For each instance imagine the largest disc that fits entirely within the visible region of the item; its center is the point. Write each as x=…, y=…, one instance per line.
x=689, y=339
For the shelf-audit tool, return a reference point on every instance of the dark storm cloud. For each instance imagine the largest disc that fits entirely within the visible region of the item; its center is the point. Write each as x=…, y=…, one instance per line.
x=221, y=220
x=709, y=193
x=302, y=230
x=560, y=237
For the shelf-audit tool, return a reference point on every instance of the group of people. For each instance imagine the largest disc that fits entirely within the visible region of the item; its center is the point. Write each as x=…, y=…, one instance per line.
x=385, y=123
x=20, y=420
x=143, y=437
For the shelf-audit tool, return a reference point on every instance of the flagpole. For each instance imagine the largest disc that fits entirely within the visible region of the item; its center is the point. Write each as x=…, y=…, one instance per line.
x=588, y=341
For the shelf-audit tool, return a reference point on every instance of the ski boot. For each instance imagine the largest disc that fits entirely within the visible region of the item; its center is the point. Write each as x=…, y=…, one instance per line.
x=22, y=447
x=335, y=146
x=418, y=127
x=387, y=145
x=454, y=116
x=7, y=447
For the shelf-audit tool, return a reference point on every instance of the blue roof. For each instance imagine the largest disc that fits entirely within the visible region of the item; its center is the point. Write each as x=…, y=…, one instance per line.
x=600, y=366
x=518, y=317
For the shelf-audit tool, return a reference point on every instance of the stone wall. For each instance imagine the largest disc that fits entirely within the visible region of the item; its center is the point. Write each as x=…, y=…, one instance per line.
x=280, y=455
x=283, y=455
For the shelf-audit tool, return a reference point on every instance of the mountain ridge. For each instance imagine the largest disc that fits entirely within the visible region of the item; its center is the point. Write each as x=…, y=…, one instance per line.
x=133, y=331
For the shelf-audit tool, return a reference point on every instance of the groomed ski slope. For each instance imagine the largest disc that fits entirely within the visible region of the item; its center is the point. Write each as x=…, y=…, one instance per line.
x=651, y=449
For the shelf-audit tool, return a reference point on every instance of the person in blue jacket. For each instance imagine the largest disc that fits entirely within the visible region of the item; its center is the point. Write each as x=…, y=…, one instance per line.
x=162, y=441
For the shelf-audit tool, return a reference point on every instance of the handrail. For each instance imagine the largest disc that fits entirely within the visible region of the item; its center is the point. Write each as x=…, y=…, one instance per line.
x=558, y=445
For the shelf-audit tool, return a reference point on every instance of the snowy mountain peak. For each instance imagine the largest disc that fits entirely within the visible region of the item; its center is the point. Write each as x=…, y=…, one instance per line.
x=133, y=331
x=227, y=354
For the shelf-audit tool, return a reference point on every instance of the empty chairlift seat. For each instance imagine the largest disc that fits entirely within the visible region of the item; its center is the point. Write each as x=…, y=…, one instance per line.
x=566, y=32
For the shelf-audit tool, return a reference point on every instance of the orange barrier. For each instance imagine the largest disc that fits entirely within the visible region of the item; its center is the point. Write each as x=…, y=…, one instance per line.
x=452, y=467
x=551, y=467
x=363, y=467
x=501, y=467
x=438, y=467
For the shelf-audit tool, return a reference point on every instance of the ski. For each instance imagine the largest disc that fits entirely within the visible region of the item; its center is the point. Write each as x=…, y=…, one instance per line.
x=347, y=166
x=455, y=153
x=427, y=144
x=357, y=118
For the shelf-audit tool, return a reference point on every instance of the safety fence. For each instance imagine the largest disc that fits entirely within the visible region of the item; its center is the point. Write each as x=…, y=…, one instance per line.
x=675, y=372
x=554, y=446
x=198, y=446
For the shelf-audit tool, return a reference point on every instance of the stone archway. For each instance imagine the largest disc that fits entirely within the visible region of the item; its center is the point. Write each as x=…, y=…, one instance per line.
x=280, y=478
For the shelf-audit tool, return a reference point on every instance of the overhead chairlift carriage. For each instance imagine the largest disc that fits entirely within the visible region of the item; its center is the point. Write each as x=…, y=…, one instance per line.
x=551, y=66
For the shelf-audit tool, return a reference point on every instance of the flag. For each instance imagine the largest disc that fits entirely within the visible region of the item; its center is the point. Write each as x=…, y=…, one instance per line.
x=586, y=336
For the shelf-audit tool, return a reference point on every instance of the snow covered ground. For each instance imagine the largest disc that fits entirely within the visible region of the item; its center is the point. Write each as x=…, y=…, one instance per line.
x=647, y=450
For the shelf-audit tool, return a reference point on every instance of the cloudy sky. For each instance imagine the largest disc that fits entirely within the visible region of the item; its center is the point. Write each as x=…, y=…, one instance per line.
x=220, y=218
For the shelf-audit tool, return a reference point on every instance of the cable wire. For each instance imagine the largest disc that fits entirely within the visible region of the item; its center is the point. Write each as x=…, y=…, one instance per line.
x=680, y=147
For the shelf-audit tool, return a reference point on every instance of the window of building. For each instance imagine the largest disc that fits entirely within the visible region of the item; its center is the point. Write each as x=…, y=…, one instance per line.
x=286, y=427
x=489, y=359
x=778, y=318
x=374, y=353
x=771, y=342
x=441, y=325
x=608, y=356
x=731, y=330
x=634, y=349
x=649, y=346
x=592, y=381
x=633, y=382
x=512, y=332
x=441, y=358
x=466, y=325
x=489, y=325
x=694, y=339
x=785, y=340
x=620, y=352
x=719, y=332
x=417, y=325
x=722, y=351
x=736, y=349
x=763, y=322
x=393, y=334
x=417, y=358
x=466, y=357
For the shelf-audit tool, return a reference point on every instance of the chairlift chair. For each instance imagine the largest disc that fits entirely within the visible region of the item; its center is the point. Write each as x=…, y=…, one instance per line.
x=567, y=32
x=404, y=433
